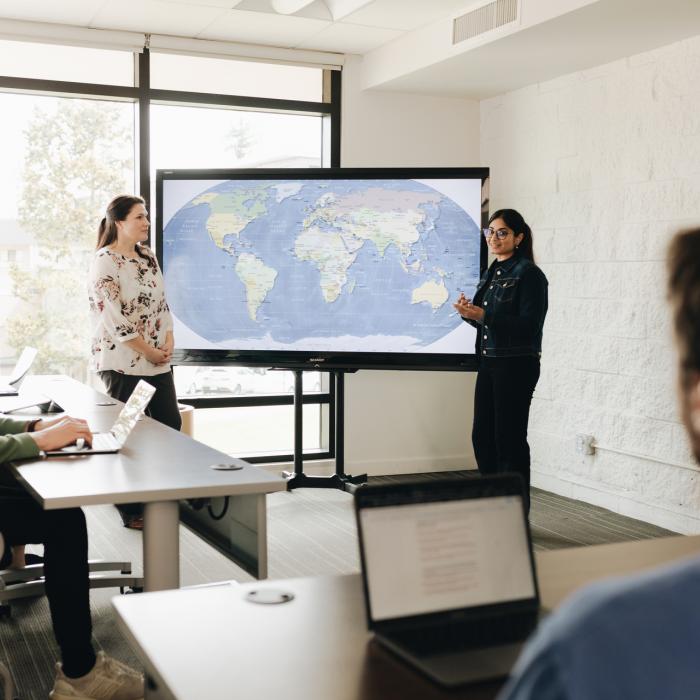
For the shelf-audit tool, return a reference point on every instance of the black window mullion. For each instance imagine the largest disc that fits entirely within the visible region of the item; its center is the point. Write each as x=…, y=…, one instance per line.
x=335, y=118
x=64, y=88
x=263, y=104
x=143, y=91
x=144, y=82
x=243, y=401
x=331, y=414
x=288, y=457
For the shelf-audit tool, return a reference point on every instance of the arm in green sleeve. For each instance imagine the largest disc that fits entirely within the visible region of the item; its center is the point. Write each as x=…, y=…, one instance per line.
x=15, y=441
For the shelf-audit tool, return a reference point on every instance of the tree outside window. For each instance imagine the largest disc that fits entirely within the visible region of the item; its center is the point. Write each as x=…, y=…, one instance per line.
x=78, y=154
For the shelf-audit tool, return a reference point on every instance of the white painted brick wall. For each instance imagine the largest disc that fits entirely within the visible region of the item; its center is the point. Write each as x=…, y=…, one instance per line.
x=605, y=166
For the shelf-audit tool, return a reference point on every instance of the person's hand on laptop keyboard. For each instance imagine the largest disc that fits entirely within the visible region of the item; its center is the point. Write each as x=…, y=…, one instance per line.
x=60, y=432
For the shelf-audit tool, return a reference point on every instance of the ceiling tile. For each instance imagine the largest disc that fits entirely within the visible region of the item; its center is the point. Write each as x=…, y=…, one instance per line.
x=263, y=28
x=225, y=4
x=349, y=38
x=155, y=17
x=76, y=12
x=405, y=15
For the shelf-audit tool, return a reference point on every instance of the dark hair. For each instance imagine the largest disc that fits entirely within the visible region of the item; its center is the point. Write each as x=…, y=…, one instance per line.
x=516, y=223
x=117, y=210
x=684, y=294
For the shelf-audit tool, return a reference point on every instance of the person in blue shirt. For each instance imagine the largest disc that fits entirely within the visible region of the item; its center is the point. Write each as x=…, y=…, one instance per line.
x=638, y=636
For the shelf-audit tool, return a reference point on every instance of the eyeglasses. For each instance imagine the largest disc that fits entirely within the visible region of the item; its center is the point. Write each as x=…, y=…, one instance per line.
x=500, y=234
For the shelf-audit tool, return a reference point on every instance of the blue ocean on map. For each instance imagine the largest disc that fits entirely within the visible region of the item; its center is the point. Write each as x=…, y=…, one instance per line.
x=299, y=263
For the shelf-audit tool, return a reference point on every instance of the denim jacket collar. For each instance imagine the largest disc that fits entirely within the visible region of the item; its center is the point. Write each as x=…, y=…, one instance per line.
x=510, y=263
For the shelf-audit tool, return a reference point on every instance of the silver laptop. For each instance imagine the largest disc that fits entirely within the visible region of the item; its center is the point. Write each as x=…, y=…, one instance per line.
x=448, y=574
x=113, y=441
x=10, y=386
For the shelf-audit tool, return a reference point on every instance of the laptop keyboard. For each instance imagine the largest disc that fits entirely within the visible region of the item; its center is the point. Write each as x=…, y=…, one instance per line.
x=480, y=633
x=104, y=441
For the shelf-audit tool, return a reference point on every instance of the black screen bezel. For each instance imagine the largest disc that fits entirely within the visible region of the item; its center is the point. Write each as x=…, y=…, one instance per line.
x=432, y=491
x=315, y=360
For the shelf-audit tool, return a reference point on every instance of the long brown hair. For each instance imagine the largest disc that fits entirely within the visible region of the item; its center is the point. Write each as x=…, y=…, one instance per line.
x=514, y=221
x=117, y=210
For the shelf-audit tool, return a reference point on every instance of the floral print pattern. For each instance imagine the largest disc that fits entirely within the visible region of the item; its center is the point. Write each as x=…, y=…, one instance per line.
x=127, y=300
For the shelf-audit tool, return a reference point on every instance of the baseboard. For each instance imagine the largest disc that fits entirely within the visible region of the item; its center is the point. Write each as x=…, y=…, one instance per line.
x=624, y=504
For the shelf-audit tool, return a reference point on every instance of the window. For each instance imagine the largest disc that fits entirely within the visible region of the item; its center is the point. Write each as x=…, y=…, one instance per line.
x=207, y=137
x=70, y=142
x=63, y=158
x=51, y=62
x=229, y=77
x=197, y=382
x=259, y=432
x=219, y=138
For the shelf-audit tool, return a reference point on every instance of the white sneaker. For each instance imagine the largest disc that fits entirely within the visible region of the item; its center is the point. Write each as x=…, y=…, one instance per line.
x=109, y=680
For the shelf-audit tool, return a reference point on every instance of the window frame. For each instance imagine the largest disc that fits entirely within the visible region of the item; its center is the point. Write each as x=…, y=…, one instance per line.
x=142, y=95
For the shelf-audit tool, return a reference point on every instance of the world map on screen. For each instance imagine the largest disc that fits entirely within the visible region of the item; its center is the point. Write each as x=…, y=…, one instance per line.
x=362, y=265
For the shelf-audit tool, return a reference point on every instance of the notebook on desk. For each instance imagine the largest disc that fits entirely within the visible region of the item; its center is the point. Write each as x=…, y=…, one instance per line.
x=114, y=439
x=448, y=573
x=10, y=385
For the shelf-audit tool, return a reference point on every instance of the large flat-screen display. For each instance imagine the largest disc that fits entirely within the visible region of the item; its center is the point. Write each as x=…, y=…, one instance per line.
x=322, y=268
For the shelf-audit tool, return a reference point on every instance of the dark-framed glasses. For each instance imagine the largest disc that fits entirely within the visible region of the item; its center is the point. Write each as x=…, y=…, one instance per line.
x=500, y=234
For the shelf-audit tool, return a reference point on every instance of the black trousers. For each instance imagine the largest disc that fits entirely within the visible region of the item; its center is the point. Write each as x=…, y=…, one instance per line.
x=504, y=388
x=64, y=536
x=162, y=407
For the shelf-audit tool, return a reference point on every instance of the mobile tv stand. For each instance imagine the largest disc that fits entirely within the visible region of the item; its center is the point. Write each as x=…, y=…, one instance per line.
x=339, y=480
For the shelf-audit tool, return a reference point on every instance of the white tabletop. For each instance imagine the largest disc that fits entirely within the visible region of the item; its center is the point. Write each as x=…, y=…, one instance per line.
x=157, y=463
x=317, y=646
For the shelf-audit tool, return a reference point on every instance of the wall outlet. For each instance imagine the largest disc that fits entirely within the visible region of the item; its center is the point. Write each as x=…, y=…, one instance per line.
x=585, y=444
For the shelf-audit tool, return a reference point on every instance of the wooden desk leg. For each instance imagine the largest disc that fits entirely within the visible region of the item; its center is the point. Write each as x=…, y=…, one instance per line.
x=161, y=546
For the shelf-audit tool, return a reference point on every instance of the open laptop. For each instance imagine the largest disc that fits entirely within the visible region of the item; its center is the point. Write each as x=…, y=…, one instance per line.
x=448, y=574
x=113, y=441
x=10, y=386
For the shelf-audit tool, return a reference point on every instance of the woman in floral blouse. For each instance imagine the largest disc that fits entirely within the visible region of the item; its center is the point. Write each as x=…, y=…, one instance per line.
x=132, y=335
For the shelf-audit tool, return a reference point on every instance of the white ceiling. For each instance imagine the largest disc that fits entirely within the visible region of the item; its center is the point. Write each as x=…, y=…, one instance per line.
x=373, y=25
x=551, y=38
x=406, y=44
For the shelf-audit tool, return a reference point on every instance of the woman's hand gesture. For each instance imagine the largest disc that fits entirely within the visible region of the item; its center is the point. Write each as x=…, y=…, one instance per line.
x=467, y=310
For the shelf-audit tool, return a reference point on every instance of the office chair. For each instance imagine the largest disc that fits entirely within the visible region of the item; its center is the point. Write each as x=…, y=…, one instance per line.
x=29, y=581
x=5, y=675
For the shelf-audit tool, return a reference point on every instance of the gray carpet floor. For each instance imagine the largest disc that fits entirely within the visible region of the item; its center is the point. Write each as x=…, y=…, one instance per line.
x=311, y=532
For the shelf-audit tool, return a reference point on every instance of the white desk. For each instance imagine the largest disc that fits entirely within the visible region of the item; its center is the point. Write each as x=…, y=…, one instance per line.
x=158, y=466
x=317, y=647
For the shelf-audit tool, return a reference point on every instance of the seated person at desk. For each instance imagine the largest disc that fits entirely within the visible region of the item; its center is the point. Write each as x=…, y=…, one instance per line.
x=82, y=675
x=634, y=637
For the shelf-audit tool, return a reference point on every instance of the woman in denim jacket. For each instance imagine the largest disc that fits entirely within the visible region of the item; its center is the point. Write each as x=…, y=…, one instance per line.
x=508, y=311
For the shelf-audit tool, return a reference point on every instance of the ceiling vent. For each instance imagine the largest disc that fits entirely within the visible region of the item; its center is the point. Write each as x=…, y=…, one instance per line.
x=484, y=19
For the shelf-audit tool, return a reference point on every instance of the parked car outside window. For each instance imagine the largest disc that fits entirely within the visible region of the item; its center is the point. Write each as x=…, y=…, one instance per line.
x=248, y=381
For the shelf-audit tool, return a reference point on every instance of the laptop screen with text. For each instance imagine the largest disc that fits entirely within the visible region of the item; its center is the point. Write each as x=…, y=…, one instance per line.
x=444, y=555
